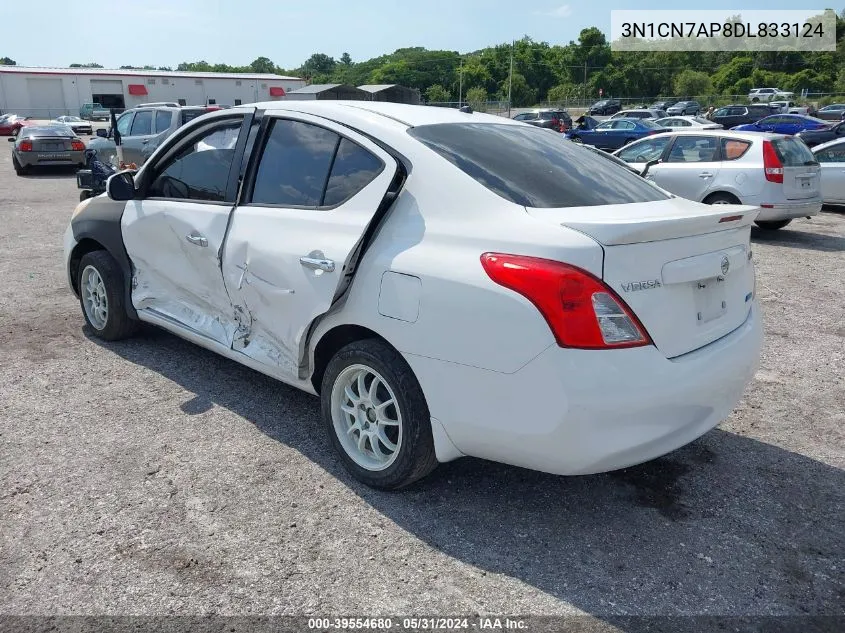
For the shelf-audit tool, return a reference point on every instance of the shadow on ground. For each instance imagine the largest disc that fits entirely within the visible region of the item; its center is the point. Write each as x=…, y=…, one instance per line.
x=727, y=525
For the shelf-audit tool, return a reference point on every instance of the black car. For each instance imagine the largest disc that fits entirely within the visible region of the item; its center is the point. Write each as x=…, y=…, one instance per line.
x=817, y=137
x=549, y=118
x=733, y=115
x=605, y=107
x=663, y=105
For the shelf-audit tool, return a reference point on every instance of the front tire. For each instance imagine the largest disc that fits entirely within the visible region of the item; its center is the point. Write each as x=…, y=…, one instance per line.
x=102, y=296
x=376, y=416
x=772, y=225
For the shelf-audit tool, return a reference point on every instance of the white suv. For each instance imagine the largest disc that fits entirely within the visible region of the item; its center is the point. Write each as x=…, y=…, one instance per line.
x=767, y=94
x=775, y=172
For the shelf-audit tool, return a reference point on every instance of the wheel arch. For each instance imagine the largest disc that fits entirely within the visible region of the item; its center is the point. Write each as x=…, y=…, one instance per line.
x=722, y=192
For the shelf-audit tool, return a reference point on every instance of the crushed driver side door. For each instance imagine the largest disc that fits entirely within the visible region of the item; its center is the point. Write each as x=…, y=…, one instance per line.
x=315, y=188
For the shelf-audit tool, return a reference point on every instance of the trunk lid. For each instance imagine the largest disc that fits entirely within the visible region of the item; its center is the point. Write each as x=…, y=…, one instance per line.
x=682, y=267
x=51, y=144
x=801, y=171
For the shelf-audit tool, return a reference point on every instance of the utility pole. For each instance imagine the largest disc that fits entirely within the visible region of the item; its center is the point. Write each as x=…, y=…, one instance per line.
x=510, y=80
x=461, y=84
x=585, y=82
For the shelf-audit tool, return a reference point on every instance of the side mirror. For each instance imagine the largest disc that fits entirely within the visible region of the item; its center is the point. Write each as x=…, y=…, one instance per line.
x=649, y=165
x=121, y=186
x=102, y=133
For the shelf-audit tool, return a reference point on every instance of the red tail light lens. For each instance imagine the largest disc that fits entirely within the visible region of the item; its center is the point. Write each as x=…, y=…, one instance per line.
x=771, y=163
x=77, y=146
x=581, y=310
x=25, y=146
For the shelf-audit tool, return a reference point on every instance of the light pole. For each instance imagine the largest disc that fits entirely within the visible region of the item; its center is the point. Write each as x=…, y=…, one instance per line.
x=461, y=83
x=510, y=80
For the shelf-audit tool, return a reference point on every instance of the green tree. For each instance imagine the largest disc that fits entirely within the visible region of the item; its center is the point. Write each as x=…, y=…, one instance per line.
x=91, y=65
x=345, y=59
x=262, y=65
x=7, y=61
x=692, y=83
x=522, y=94
x=562, y=92
x=477, y=99
x=437, y=94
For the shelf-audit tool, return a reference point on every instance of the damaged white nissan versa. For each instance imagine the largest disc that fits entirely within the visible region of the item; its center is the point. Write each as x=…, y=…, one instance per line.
x=449, y=283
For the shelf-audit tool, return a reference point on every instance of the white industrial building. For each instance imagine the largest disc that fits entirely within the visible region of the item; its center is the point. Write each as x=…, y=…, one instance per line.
x=50, y=92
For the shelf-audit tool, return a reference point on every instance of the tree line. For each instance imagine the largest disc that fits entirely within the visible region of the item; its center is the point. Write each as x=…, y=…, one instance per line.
x=544, y=72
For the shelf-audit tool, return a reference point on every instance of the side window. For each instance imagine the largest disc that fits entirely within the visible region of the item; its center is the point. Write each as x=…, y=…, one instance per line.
x=200, y=170
x=353, y=169
x=693, y=149
x=831, y=155
x=723, y=112
x=294, y=165
x=124, y=123
x=734, y=148
x=142, y=124
x=604, y=127
x=646, y=150
x=163, y=120
x=623, y=125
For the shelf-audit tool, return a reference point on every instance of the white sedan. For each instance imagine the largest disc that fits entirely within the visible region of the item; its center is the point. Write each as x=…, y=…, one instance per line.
x=688, y=123
x=447, y=283
x=831, y=157
x=79, y=126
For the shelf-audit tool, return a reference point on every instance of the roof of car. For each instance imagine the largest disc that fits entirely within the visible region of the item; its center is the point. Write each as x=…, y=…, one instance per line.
x=833, y=143
x=380, y=112
x=739, y=134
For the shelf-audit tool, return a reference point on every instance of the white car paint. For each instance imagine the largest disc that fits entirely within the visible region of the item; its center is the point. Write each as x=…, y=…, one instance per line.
x=743, y=178
x=831, y=157
x=688, y=122
x=497, y=384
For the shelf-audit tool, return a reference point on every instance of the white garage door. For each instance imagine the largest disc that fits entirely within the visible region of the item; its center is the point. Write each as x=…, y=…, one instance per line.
x=46, y=97
x=106, y=87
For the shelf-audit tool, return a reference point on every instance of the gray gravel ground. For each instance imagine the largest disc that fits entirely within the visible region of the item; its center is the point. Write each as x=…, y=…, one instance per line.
x=153, y=477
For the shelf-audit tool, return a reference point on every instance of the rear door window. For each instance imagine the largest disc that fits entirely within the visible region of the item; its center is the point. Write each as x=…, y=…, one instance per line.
x=163, y=119
x=831, y=155
x=352, y=170
x=694, y=149
x=645, y=150
x=531, y=167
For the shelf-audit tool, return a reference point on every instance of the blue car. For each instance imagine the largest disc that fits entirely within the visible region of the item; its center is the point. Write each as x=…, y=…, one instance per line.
x=784, y=124
x=615, y=133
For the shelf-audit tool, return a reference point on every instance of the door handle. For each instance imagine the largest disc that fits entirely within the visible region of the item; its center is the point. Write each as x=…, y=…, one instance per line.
x=705, y=174
x=316, y=263
x=196, y=239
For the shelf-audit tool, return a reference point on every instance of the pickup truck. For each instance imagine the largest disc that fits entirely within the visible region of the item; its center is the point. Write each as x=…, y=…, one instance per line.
x=94, y=111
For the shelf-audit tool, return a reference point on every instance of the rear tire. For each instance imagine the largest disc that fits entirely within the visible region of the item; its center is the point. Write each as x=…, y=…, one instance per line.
x=370, y=391
x=772, y=225
x=721, y=198
x=102, y=297
x=20, y=170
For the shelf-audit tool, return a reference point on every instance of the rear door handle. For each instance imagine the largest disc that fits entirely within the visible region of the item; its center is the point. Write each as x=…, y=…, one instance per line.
x=316, y=263
x=196, y=239
x=705, y=174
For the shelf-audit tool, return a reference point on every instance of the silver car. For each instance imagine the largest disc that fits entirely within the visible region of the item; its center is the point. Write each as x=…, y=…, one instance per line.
x=43, y=146
x=831, y=157
x=640, y=113
x=775, y=172
x=142, y=130
x=78, y=125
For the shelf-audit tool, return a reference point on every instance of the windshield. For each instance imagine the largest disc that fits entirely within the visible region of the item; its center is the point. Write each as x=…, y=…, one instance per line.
x=793, y=153
x=531, y=167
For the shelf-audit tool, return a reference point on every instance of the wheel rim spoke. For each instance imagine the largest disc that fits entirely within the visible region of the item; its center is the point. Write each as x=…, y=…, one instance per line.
x=370, y=432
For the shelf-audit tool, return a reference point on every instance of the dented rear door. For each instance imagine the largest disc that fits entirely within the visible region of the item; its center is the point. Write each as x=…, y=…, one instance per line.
x=306, y=206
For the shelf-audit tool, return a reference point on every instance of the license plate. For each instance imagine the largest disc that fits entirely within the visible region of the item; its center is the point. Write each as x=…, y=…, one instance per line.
x=710, y=303
x=53, y=156
x=54, y=147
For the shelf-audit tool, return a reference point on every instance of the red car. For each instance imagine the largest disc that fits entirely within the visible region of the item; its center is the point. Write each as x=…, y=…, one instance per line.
x=11, y=123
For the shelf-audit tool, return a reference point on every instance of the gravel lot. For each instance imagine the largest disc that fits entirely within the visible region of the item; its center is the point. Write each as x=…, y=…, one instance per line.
x=153, y=477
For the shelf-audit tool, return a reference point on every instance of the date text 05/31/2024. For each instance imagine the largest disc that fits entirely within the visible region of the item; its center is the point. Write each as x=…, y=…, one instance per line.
x=417, y=624
x=770, y=30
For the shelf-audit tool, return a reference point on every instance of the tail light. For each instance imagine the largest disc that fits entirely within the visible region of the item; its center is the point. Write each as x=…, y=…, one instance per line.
x=25, y=146
x=771, y=163
x=77, y=146
x=581, y=310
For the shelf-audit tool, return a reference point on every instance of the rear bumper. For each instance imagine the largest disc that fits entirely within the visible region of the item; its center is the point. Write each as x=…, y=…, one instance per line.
x=789, y=210
x=572, y=412
x=33, y=159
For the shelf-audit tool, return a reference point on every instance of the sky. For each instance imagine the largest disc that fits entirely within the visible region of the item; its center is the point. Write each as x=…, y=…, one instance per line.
x=167, y=32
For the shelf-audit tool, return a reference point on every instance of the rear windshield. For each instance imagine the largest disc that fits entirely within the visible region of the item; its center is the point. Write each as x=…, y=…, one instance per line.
x=58, y=130
x=533, y=167
x=793, y=153
x=189, y=114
